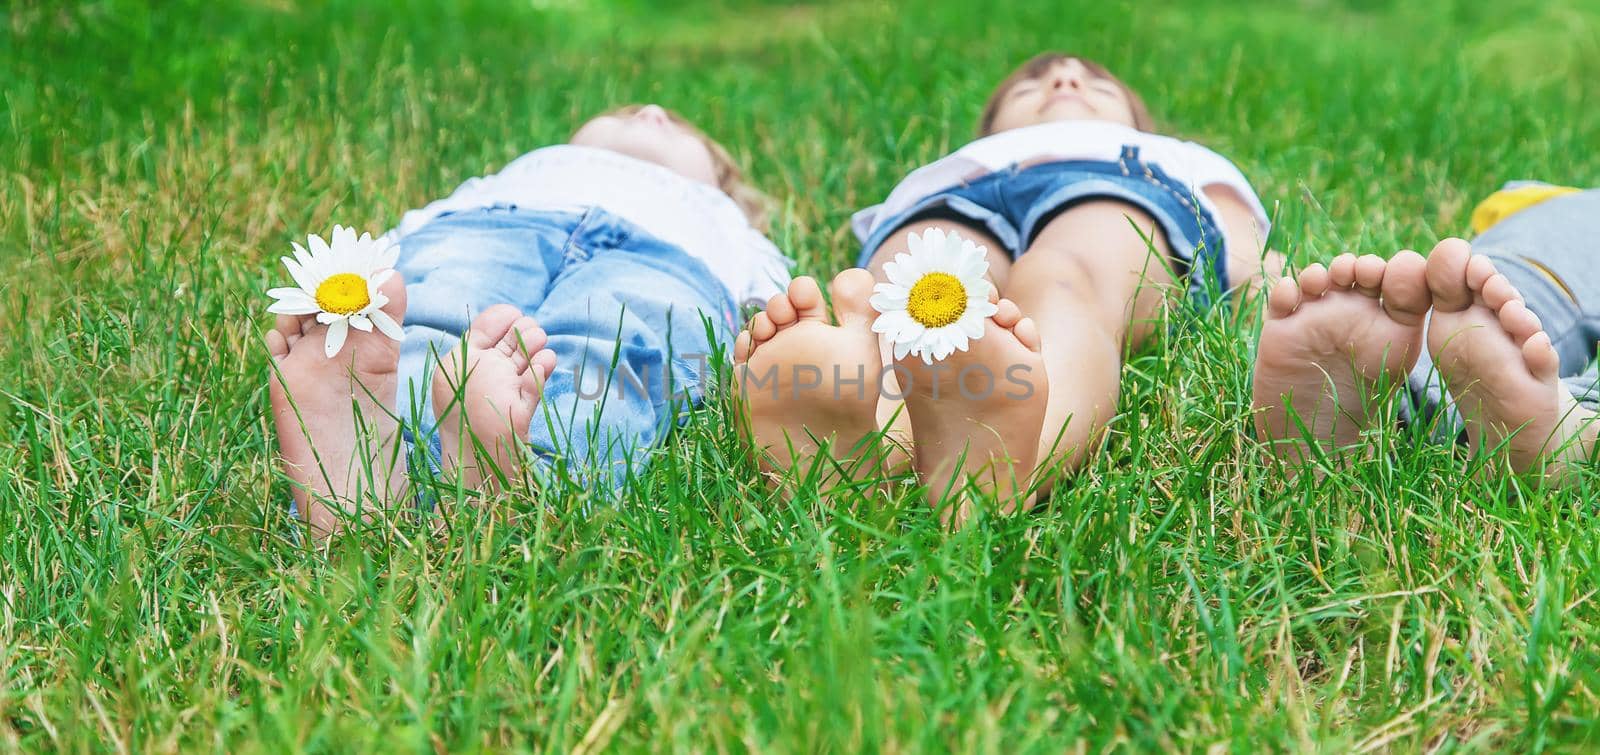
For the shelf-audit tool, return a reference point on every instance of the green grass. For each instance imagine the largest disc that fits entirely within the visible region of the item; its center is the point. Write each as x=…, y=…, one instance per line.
x=1179, y=594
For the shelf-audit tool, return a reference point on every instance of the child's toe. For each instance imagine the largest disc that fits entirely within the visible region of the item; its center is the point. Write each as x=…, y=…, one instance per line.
x=1027, y=333
x=1368, y=273
x=762, y=328
x=277, y=344
x=1283, y=298
x=1007, y=313
x=544, y=363
x=1342, y=271
x=780, y=311
x=742, y=347
x=1315, y=281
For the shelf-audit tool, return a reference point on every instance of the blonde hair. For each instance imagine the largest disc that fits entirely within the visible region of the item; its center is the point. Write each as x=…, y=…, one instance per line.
x=730, y=177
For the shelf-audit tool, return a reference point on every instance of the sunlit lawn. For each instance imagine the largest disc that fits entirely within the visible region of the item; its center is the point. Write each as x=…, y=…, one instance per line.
x=1181, y=593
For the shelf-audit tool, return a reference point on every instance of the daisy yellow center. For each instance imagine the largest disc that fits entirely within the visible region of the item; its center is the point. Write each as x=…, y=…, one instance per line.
x=343, y=294
x=937, y=300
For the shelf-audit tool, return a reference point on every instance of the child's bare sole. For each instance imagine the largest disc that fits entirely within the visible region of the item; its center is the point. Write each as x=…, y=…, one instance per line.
x=1498, y=363
x=484, y=396
x=337, y=431
x=806, y=383
x=977, y=415
x=1337, y=342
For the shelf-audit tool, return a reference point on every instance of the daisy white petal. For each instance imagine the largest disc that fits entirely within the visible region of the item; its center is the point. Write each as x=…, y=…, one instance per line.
x=289, y=308
x=899, y=327
x=291, y=293
x=387, y=325
x=975, y=266
x=954, y=243
x=343, y=236
x=980, y=289
x=913, y=330
x=895, y=270
x=361, y=323
x=291, y=301
x=336, y=334
x=921, y=344
x=889, y=324
x=972, y=328
x=302, y=256
x=301, y=276
x=951, y=341
x=888, y=301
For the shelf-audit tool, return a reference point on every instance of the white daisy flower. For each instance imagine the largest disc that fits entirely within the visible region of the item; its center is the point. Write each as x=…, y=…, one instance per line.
x=936, y=298
x=339, y=284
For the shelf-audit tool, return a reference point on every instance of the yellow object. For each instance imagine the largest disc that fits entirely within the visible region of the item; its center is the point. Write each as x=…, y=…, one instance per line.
x=1507, y=202
x=937, y=300
x=343, y=294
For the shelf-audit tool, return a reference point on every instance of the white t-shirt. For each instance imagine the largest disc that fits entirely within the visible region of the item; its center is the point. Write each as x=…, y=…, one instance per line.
x=697, y=218
x=1187, y=163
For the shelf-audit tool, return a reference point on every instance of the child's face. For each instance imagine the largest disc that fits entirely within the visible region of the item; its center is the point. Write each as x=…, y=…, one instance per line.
x=650, y=135
x=1066, y=91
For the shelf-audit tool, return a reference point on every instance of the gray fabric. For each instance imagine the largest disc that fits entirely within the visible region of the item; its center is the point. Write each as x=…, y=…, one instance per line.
x=1561, y=235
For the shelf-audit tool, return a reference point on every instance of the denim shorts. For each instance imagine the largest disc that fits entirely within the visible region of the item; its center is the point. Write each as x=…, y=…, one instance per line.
x=634, y=322
x=1014, y=204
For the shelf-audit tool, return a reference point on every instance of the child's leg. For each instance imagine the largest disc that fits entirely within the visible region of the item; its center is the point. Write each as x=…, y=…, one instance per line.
x=630, y=333
x=974, y=416
x=1499, y=362
x=1095, y=287
x=337, y=432
x=806, y=383
x=470, y=276
x=892, y=409
x=1539, y=258
x=485, y=394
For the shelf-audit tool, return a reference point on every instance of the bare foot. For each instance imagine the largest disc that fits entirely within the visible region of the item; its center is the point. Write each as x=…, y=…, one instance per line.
x=484, y=395
x=1337, y=343
x=1499, y=365
x=337, y=431
x=978, y=414
x=806, y=384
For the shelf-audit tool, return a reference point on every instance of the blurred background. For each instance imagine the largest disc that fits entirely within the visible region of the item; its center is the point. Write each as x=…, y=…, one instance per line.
x=1387, y=115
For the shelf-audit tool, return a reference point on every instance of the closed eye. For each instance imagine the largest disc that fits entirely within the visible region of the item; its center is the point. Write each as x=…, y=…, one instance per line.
x=1022, y=89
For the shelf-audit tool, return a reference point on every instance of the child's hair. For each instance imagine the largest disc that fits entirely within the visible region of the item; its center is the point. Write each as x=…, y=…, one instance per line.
x=730, y=178
x=1041, y=63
